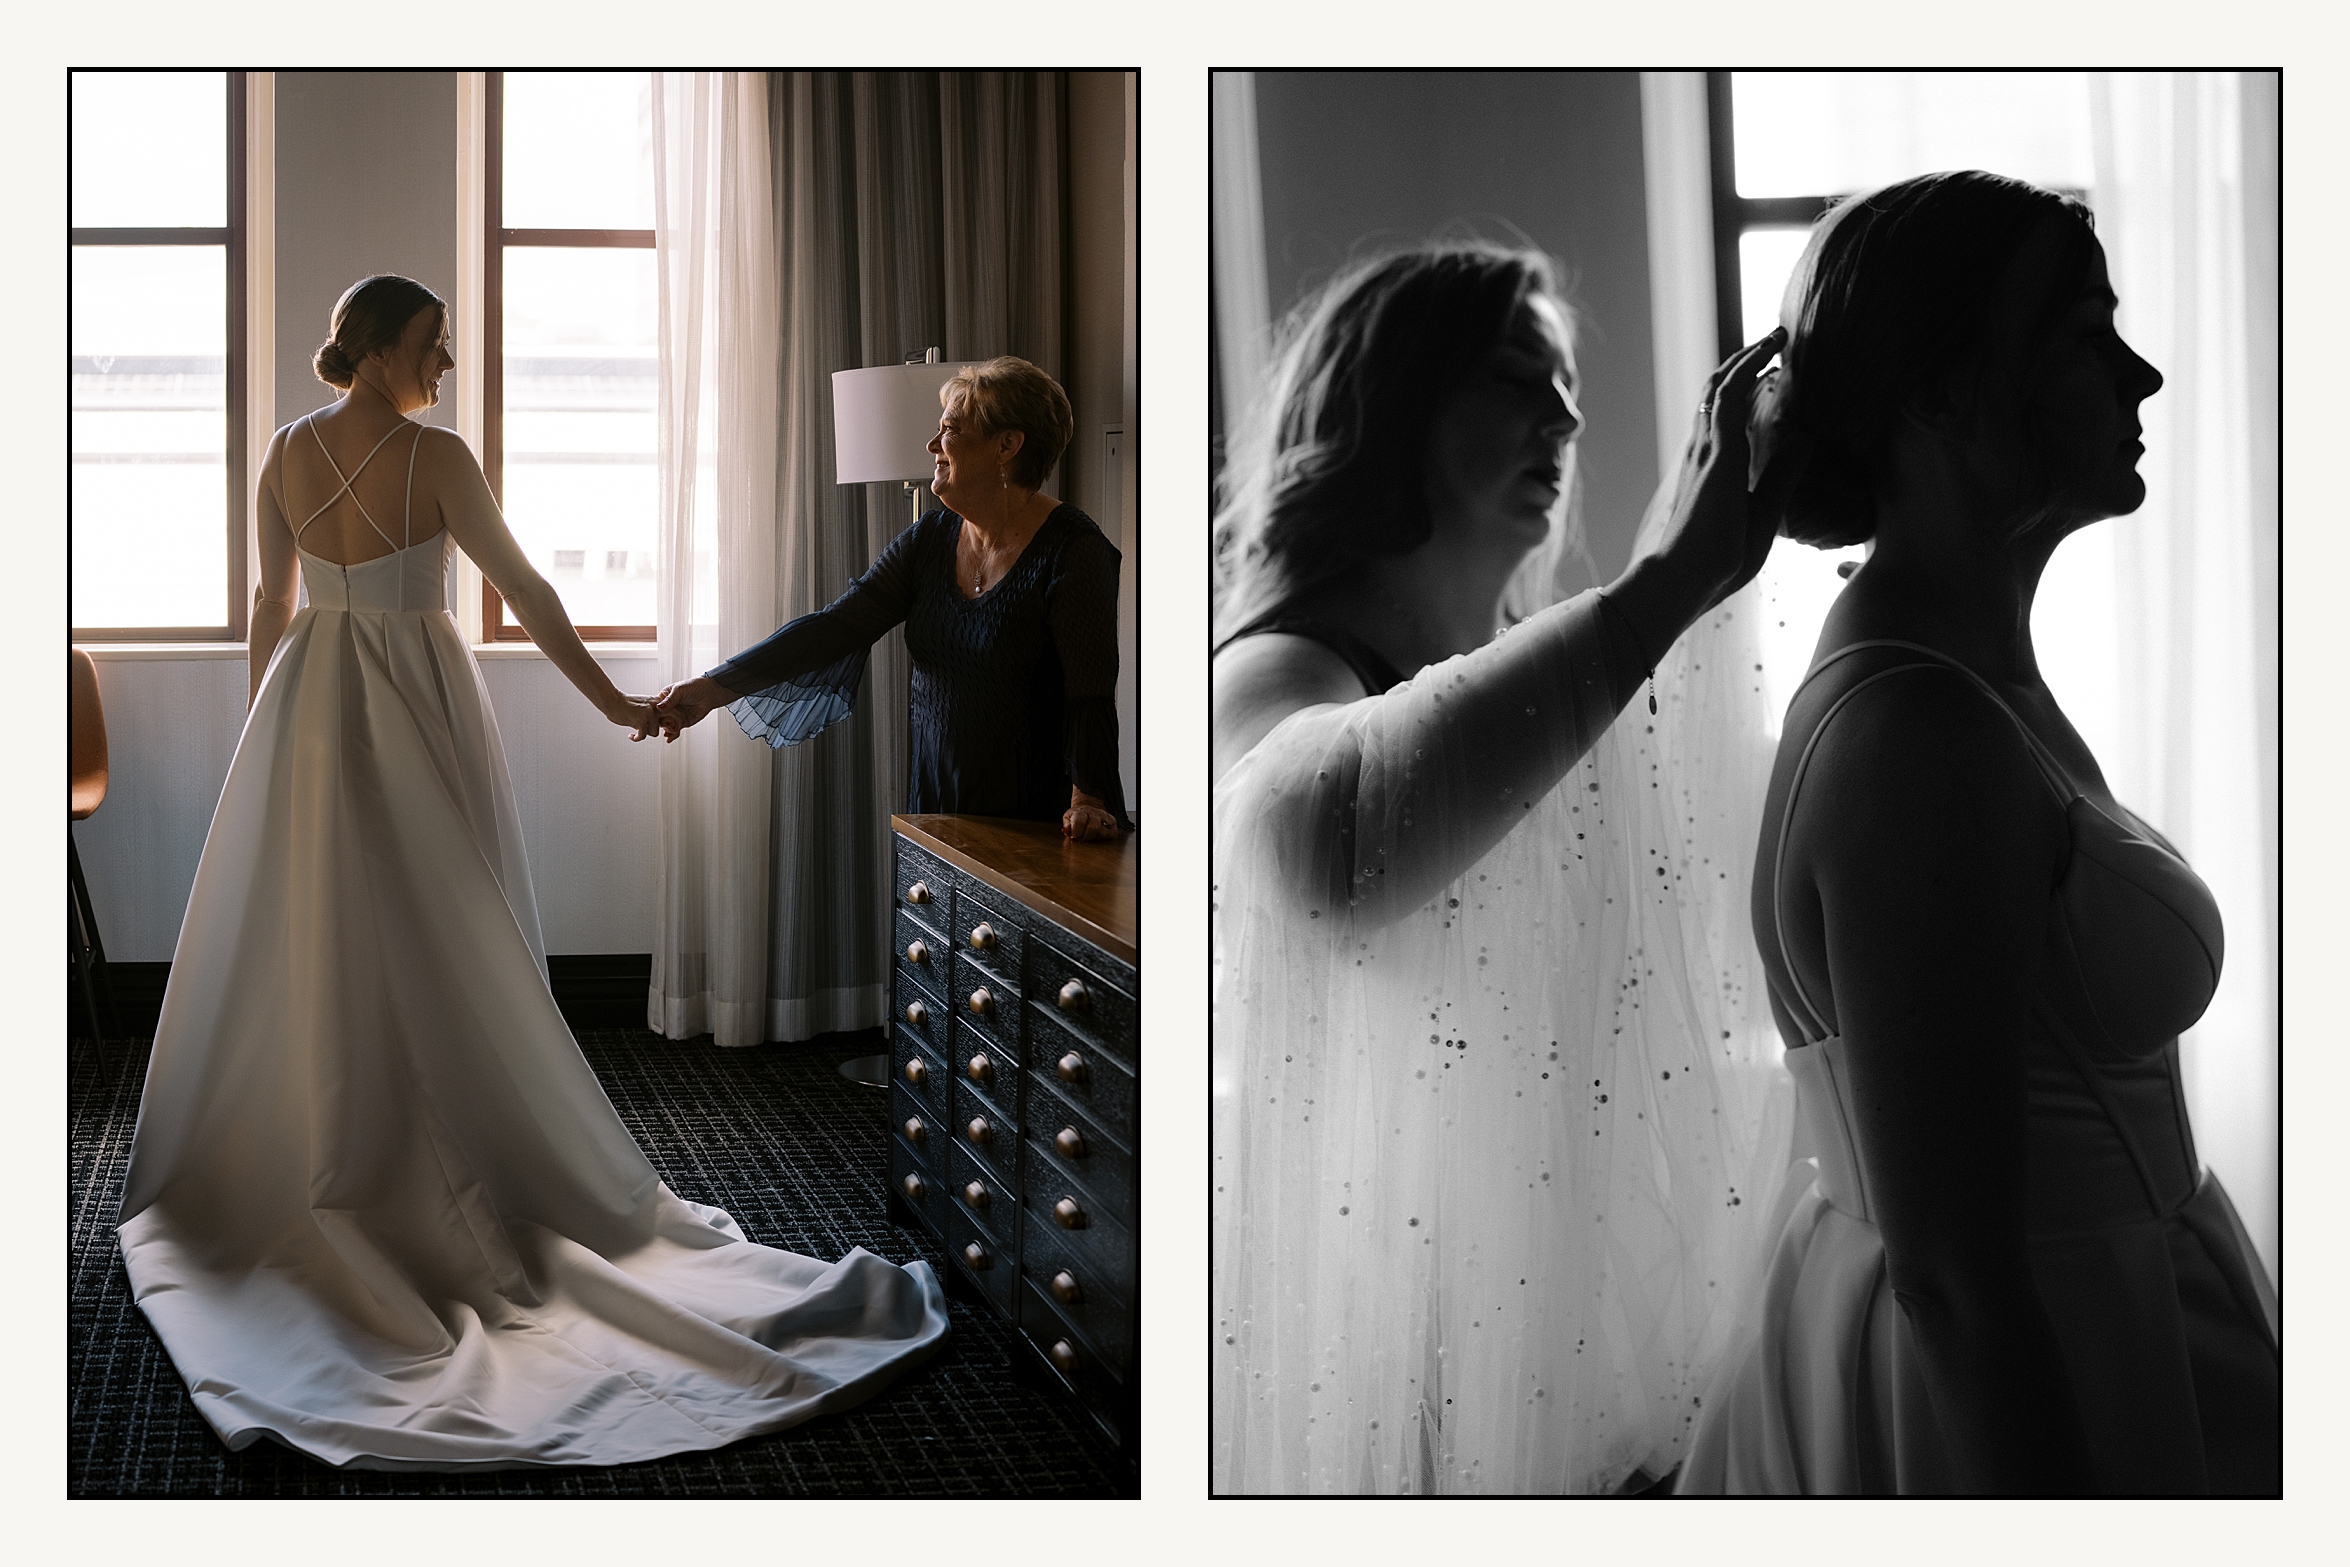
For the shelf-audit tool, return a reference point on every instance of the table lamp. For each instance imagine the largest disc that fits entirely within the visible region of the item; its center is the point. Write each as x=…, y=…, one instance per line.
x=883, y=419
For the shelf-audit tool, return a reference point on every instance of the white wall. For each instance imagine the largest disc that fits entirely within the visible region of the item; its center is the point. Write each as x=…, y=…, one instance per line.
x=366, y=183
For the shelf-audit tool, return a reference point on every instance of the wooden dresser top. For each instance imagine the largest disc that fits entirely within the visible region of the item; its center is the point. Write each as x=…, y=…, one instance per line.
x=1088, y=888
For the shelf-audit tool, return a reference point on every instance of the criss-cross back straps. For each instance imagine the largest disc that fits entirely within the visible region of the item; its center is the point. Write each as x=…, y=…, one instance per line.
x=345, y=487
x=2050, y=772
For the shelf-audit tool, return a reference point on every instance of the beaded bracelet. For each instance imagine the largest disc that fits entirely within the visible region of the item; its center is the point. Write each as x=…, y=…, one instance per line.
x=1638, y=647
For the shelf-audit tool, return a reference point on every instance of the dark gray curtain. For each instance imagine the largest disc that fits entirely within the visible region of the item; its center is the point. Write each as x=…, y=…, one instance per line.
x=915, y=209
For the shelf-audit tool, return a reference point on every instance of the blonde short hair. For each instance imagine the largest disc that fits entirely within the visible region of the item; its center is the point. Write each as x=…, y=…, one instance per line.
x=1012, y=394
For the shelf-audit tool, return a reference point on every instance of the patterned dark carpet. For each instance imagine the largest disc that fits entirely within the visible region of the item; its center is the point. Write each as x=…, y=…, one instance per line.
x=774, y=1136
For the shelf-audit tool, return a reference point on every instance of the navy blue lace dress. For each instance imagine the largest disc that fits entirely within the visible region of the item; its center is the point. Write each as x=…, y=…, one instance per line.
x=1012, y=691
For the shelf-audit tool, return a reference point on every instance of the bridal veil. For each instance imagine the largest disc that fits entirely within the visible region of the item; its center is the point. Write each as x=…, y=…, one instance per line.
x=1485, y=1178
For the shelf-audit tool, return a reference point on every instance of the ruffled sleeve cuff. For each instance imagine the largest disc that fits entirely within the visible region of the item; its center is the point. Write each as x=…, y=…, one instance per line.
x=793, y=709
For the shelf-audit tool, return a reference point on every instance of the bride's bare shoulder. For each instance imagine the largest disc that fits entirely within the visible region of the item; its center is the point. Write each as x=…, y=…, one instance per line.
x=1257, y=681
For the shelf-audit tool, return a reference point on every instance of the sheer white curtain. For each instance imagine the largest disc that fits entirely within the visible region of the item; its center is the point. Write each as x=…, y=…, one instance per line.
x=2186, y=200
x=714, y=241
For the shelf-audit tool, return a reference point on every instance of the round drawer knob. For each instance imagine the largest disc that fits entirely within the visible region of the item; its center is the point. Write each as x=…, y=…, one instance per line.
x=1064, y=1356
x=1065, y=1288
x=918, y=893
x=979, y=1131
x=917, y=953
x=1069, y=1143
x=916, y=1072
x=976, y=1256
x=1071, y=1068
x=983, y=1003
x=915, y=1130
x=1074, y=998
x=981, y=1070
x=983, y=937
x=1067, y=1214
x=917, y=1014
x=914, y=1187
x=975, y=1194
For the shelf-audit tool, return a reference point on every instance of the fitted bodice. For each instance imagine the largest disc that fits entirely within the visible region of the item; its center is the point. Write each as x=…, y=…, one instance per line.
x=2130, y=956
x=411, y=581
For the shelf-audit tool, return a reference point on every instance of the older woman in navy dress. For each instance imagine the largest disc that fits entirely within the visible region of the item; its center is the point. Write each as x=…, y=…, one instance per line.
x=1009, y=599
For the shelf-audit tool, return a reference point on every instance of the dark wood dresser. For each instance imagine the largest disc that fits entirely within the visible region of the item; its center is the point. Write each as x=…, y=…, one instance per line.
x=1015, y=1103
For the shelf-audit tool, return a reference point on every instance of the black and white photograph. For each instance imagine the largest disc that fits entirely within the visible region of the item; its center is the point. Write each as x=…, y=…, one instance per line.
x=602, y=858
x=1745, y=783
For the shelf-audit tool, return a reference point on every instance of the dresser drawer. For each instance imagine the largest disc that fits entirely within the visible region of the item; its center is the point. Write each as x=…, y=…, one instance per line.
x=913, y=1181
x=1101, y=1245
x=921, y=1070
x=920, y=950
x=985, y=1261
x=1095, y=1382
x=923, y=884
x=1098, y=1304
x=1062, y=1144
x=912, y=1122
x=1089, y=1078
x=987, y=1063
x=1080, y=1000
x=1005, y=937
x=920, y=1012
x=997, y=1144
x=986, y=1001
x=981, y=1196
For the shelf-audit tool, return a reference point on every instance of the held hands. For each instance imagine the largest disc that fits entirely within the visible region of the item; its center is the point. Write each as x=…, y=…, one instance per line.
x=1714, y=533
x=636, y=714
x=687, y=703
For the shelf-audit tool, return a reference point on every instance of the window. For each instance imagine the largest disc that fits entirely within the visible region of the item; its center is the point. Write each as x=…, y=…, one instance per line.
x=568, y=430
x=156, y=355
x=1785, y=146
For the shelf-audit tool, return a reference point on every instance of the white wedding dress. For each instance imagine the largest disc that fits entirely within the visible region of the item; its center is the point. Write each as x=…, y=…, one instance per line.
x=378, y=1206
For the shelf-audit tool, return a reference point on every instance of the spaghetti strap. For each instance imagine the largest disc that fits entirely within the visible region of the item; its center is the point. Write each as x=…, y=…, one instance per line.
x=2042, y=758
x=2050, y=768
x=310, y=419
x=408, y=500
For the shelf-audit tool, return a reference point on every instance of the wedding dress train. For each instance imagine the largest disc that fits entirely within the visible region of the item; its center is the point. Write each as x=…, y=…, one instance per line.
x=378, y=1206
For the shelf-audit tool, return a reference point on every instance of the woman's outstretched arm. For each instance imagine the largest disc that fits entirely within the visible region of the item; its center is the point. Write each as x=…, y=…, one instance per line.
x=1396, y=795
x=447, y=473
x=871, y=604
x=1920, y=857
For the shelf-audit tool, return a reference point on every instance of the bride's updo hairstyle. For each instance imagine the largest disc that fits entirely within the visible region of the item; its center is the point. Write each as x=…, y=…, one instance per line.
x=372, y=314
x=1324, y=472
x=1895, y=292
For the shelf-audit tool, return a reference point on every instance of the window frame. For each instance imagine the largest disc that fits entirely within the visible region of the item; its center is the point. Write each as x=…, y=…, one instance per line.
x=1735, y=215
x=231, y=236
x=496, y=237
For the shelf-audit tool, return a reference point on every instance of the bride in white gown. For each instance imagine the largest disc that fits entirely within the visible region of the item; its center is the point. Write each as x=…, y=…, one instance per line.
x=378, y=1207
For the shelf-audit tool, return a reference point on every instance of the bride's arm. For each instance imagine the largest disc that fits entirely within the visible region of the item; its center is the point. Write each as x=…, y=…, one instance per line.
x=447, y=473
x=1391, y=797
x=273, y=600
x=1921, y=857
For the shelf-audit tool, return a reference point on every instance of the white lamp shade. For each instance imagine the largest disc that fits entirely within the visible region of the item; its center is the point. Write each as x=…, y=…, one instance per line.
x=883, y=419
